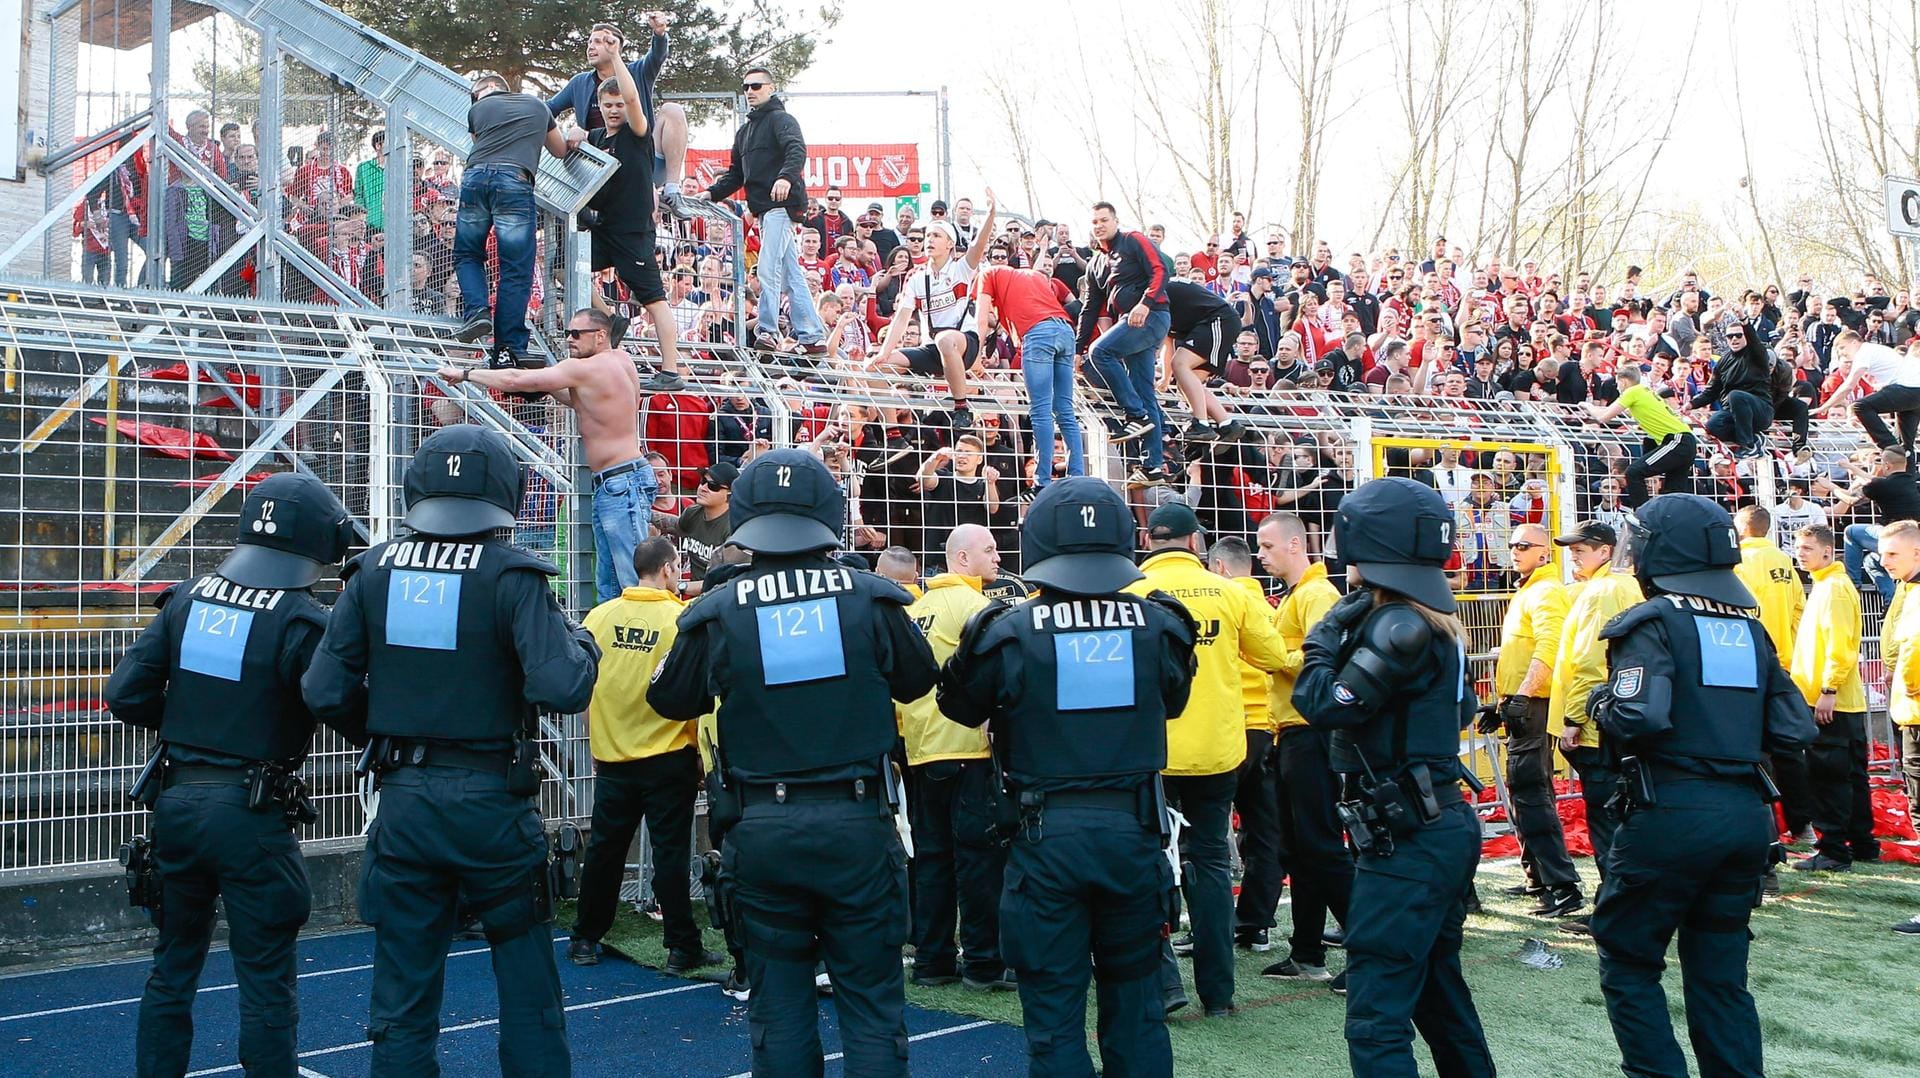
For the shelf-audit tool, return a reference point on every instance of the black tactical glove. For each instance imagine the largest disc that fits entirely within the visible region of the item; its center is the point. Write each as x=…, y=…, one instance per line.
x=1489, y=720
x=1514, y=708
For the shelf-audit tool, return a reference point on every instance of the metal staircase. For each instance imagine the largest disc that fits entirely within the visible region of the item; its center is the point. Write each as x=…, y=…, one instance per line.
x=431, y=97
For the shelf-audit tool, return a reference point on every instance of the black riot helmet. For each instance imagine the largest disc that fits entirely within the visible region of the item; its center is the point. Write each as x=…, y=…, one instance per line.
x=464, y=480
x=1400, y=534
x=1686, y=545
x=1078, y=538
x=291, y=528
x=786, y=502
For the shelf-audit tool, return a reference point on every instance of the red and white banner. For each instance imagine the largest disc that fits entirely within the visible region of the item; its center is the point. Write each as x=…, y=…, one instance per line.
x=861, y=170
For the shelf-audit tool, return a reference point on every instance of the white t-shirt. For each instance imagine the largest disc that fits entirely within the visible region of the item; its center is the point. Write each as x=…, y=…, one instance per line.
x=1886, y=367
x=940, y=296
x=1788, y=520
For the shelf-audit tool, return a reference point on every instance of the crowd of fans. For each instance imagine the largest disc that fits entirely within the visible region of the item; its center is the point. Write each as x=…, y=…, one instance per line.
x=1413, y=331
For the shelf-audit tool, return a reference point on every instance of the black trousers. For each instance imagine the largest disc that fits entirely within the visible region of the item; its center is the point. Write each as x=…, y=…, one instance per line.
x=1536, y=817
x=1789, y=770
x=1598, y=782
x=1838, y=796
x=955, y=863
x=1403, y=952
x=1671, y=458
x=1743, y=417
x=813, y=879
x=1311, y=832
x=1903, y=403
x=1088, y=899
x=209, y=845
x=446, y=839
x=1796, y=414
x=1257, y=800
x=1206, y=883
x=660, y=790
x=1691, y=864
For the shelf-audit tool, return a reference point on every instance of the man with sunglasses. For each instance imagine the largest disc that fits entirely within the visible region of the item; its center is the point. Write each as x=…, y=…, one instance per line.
x=831, y=222
x=768, y=155
x=601, y=385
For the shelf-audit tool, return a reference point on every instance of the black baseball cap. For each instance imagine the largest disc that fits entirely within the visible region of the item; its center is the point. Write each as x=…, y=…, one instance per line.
x=463, y=480
x=939, y=206
x=1173, y=520
x=1589, y=531
x=1078, y=538
x=291, y=528
x=786, y=502
x=720, y=475
x=1399, y=534
x=1688, y=546
x=1262, y=273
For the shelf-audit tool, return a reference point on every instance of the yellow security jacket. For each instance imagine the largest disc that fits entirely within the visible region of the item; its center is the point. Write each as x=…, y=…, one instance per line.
x=1531, y=629
x=1826, y=649
x=1253, y=680
x=1296, y=616
x=1768, y=573
x=1900, y=654
x=1210, y=736
x=1580, y=666
x=942, y=612
x=634, y=632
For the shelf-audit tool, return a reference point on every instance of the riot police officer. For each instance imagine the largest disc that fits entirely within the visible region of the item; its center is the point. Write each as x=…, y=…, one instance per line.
x=1385, y=671
x=806, y=656
x=1695, y=701
x=1078, y=683
x=217, y=673
x=457, y=638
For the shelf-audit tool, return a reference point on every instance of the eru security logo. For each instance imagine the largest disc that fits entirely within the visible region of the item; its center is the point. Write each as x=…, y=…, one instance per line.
x=635, y=637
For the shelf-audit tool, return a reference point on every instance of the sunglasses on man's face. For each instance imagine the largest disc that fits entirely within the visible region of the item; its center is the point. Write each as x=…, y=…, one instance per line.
x=749, y=87
x=576, y=334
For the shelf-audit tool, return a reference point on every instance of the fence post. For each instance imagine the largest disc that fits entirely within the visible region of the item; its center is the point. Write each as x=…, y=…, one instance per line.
x=272, y=105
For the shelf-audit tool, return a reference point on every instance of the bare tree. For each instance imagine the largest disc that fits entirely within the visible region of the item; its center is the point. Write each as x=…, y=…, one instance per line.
x=1535, y=63
x=1310, y=59
x=1011, y=104
x=1430, y=83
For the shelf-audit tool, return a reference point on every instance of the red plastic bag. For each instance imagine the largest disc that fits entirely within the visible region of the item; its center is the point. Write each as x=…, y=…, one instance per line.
x=171, y=441
x=248, y=384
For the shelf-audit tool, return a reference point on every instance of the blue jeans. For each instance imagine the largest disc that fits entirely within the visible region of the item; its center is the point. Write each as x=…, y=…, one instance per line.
x=496, y=199
x=621, y=509
x=1862, y=558
x=780, y=275
x=1046, y=364
x=1124, y=357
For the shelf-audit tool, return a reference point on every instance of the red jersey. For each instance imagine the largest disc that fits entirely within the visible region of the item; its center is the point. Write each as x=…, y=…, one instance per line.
x=1024, y=298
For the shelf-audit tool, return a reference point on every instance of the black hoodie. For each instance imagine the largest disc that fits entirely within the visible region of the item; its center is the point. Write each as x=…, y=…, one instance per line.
x=768, y=146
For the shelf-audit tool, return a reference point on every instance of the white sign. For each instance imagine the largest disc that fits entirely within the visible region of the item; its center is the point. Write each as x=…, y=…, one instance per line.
x=1903, y=207
x=13, y=102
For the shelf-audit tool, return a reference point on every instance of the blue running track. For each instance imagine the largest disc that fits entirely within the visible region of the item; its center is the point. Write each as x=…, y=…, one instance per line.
x=622, y=1019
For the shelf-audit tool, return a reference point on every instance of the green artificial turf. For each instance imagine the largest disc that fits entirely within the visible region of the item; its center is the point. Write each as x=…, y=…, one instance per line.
x=1833, y=985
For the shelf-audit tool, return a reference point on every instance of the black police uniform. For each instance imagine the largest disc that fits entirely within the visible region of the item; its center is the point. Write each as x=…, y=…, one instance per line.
x=1694, y=702
x=1394, y=691
x=806, y=656
x=457, y=638
x=1078, y=683
x=217, y=674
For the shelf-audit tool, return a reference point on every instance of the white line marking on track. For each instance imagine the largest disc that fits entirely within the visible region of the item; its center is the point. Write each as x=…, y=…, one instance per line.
x=927, y=1036
x=362, y=968
x=309, y=1072
x=485, y=1022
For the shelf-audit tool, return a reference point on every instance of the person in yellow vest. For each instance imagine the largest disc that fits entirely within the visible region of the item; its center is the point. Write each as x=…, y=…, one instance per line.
x=1768, y=573
x=1254, y=798
x=1900, y=654
x=1826, y=667
x=952, y=782
x=1523, y=678
x=1579, y=667
x=898, y=564
x=645, y=766
x=1311, y=839
x=1206, y=743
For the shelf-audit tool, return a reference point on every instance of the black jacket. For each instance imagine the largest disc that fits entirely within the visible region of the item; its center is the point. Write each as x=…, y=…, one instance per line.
x=1749, y=370
x=768, y=146
x=1137, y=273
